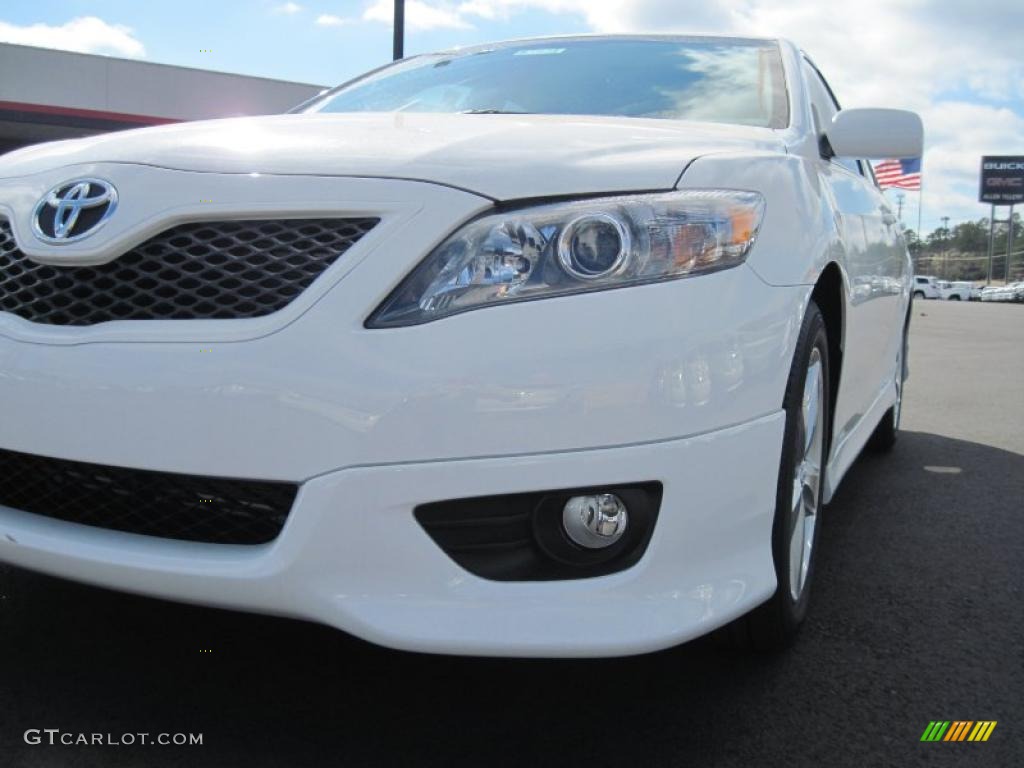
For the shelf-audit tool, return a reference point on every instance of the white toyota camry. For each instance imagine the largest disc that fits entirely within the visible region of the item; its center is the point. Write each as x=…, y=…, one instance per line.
x=546, y=348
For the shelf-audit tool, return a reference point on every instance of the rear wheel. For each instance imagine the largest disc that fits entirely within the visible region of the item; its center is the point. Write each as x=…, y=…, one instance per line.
x=918, y=294
x=774, y=625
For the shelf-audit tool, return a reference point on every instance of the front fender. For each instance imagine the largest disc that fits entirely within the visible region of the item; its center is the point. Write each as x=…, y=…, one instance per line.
x=799, y=235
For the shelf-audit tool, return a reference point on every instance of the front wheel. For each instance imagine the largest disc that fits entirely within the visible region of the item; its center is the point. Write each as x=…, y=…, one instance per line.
x=774, y=625
x=918, y=294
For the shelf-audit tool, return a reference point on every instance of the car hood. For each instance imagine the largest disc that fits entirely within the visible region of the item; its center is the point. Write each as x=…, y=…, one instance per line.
x=500, y=156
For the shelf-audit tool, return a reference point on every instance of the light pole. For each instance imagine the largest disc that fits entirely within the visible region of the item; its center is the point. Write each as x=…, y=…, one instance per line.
x=398, y=48
x=991, y=243
x=945, y=246
x=1009, y=246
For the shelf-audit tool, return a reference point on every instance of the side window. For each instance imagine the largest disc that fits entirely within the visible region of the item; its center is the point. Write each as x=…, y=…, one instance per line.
x=824, y=107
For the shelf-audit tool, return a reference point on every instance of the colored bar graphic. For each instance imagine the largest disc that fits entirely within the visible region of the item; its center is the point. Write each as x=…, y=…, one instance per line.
x=935, y=730
x=958, y=730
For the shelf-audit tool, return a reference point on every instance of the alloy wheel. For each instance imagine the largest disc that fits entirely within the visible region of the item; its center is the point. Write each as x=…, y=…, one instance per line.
x=807, y=475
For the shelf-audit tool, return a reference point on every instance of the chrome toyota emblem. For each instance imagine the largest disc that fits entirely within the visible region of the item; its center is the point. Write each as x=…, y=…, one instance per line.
x=73, y=210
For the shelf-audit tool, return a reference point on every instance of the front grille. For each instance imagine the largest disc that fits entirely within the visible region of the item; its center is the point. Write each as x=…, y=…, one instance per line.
x=201, y=270
x=172, y=506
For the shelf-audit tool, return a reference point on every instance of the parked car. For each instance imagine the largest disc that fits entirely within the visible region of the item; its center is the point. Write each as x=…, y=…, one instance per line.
x=926, y=287
x=540, y=348
x=1008, y=292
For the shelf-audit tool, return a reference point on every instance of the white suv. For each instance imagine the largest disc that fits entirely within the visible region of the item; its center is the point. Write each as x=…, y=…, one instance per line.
x=926, y=287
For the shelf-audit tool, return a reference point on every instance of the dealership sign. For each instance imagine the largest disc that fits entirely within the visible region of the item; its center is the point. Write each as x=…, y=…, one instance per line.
x=1002, y=180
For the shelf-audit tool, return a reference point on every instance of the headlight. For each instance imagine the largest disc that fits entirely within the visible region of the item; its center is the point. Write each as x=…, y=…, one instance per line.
x=586, y=245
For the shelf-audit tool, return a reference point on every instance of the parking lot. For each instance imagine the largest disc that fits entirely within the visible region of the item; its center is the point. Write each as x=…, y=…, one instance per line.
x=916, y=616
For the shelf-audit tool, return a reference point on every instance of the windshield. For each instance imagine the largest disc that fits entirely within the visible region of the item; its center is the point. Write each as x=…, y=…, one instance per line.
x=716, y=80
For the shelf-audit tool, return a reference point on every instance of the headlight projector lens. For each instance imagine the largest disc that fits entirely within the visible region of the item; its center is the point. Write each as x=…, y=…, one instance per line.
x=593, y=245
x=596, y=521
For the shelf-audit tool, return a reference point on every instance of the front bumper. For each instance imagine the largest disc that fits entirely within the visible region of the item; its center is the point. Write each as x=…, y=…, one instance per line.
x=352, y=555
x=678, y=382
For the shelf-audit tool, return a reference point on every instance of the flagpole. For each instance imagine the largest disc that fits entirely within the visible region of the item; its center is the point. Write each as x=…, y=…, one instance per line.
x=920, y=205
x=891, y=179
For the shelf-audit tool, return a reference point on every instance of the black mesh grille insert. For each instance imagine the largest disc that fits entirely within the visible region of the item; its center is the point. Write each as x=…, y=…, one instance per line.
x=200, y=270
x=172, y=506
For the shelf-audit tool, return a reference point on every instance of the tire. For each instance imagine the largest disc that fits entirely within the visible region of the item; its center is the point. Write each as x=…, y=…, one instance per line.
x=954, y=297
x=773, y=625
x=883, y=439
x=918, y=294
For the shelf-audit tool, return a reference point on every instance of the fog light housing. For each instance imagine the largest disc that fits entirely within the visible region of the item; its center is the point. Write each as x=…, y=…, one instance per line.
x=595, y=521
x=523, y=536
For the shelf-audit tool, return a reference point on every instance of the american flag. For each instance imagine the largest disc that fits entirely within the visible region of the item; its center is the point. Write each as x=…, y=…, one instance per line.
x=901, y=174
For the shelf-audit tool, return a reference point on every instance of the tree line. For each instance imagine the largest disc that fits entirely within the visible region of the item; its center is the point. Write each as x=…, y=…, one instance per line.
x=961, y=252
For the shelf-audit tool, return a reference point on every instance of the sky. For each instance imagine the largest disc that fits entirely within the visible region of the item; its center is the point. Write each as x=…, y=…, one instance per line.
x=959, y=63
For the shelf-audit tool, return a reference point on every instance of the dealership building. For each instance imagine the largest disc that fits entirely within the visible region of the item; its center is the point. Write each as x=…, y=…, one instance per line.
x=47, y=94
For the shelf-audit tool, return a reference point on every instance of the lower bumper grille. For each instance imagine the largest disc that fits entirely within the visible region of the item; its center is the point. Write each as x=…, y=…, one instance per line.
x=164, y=504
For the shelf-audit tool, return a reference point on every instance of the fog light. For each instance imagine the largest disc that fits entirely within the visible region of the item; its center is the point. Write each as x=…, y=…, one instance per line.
x=596, y=521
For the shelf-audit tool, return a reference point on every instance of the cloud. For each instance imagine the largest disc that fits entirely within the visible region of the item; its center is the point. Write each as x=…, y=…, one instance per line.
x=419, y=15
x=960, y=133
x=85, y=34
x=611, y=15
x=329, y=20
x=288, y=9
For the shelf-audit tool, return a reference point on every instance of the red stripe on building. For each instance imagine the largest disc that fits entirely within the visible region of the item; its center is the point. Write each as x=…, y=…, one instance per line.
x=88, y=114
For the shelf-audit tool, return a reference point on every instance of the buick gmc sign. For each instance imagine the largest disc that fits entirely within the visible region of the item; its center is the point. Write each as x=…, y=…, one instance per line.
x=1002, y=180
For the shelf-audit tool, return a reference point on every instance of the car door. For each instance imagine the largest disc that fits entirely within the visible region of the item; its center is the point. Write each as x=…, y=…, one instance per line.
x=876, y=267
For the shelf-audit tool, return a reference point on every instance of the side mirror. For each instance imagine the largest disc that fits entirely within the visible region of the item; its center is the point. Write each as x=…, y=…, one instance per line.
x=876, y=134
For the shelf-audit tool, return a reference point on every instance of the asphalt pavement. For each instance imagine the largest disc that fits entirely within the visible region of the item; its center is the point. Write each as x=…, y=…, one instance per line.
x=917, y=615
